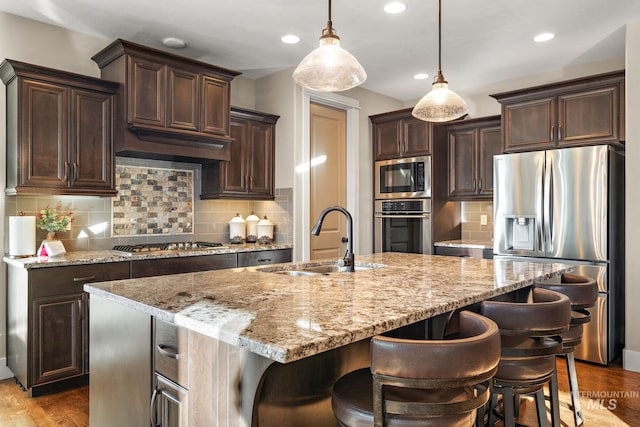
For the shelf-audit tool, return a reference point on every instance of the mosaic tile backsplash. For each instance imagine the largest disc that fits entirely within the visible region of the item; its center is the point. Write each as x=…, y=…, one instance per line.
x=154, y=201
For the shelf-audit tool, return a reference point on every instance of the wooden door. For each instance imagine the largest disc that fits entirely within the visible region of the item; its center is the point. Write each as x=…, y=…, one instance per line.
x=91, y=139
x=416, y=135
x=328, y=136
x=529, y=125
x=44, y=128
x=589, y=116
x=215, y=105
x=260, y=168
x=183, y=102
x=386, y=139
x=462, y=162
x=57, y=349
x=489, y=144
x=147, y=92
x=234, y=172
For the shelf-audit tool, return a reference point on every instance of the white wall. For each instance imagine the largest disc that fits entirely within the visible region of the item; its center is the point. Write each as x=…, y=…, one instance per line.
x=29, y=41
x=631, y=353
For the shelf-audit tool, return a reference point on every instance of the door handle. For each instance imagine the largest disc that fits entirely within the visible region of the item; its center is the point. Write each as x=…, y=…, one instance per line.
x=559, y=133
x=66, y=171
x=552, y=133
x=153, y=414
x=75, y=171
x=479, y=184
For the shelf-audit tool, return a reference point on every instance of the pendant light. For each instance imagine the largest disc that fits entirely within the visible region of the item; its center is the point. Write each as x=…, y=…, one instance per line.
x=441, y=104
x=329, y=68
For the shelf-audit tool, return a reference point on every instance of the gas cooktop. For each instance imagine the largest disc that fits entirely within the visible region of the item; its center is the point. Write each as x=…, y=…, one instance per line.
x=145, y=248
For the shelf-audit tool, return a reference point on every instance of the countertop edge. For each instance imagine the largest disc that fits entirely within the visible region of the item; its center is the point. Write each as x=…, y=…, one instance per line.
x=108, y=256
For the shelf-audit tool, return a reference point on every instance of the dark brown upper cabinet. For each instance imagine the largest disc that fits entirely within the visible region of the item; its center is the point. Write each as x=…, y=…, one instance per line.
x=249, y=172
x=60, y=130
x=398, y=134
x=174, y=108
x=471, y=146
x=584, y=111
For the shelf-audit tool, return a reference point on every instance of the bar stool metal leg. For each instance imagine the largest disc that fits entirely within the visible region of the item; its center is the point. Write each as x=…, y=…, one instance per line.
x=573, y=387
x=554, y=400
x=541, y=409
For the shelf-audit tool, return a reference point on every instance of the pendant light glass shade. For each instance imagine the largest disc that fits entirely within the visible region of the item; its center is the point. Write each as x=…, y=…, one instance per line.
x=329, y=68
x=441, y=104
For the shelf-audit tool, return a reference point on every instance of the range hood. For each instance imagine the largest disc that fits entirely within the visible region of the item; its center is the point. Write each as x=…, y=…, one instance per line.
x=170, y=107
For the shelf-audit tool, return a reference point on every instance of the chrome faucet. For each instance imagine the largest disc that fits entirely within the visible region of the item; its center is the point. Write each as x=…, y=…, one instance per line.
x=349, y=258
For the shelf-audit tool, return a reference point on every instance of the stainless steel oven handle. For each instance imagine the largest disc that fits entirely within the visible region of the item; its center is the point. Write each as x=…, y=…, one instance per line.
x=401, y=216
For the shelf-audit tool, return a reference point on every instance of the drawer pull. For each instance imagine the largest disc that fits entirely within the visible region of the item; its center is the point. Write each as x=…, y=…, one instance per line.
x=264, y=260
x=84, y=279
x=168, y=351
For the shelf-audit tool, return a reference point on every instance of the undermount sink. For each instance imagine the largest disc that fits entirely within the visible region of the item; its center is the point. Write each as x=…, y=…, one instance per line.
x=314, y=269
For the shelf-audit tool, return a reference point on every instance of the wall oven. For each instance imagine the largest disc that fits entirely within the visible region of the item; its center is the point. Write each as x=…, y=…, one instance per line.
x=402, y=178
x=403, y=225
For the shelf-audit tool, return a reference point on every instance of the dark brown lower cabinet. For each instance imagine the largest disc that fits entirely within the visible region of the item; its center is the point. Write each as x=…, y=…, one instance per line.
x=48, y=322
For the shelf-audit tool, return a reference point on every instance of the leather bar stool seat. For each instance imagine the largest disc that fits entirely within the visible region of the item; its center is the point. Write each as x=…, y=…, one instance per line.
x=583, y=293
x=530, y=341
x=422, y=382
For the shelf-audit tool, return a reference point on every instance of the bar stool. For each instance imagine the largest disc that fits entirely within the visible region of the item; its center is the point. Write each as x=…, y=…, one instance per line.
x=422, y=382
x=530, y=339
x=583, y=293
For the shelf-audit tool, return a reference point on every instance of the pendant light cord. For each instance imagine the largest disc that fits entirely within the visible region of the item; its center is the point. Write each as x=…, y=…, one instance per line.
x=439, y=36
x=329, y=23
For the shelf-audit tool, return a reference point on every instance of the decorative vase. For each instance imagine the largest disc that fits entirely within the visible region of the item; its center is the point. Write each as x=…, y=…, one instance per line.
x=51, y=235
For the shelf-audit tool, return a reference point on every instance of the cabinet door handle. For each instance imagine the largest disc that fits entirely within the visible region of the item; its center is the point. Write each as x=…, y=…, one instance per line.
x=474, y=184
x=246, y=183
x=480, y=184
x=168, y=351
x=559, y=133
x=153, y=414
x=66, y=171
x=80, y=309
x=75, y=171
x=84, y=279
x=551, y=135
x=265, y=260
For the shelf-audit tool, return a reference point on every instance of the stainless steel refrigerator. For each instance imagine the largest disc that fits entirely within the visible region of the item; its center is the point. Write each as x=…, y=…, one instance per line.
x=567, y=205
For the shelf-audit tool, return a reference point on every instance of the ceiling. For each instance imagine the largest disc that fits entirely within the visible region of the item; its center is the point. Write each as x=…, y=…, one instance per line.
x=483, y=42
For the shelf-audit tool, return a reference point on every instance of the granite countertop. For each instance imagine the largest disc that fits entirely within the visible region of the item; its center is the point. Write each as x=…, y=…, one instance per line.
x=462, y=243
x=104, y=256
x=286, y=318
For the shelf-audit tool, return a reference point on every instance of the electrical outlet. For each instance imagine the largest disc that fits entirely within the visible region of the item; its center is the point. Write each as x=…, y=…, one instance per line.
x=483, y=220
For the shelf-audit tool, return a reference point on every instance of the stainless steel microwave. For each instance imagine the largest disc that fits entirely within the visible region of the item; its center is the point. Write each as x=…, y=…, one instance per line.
x=403, y=178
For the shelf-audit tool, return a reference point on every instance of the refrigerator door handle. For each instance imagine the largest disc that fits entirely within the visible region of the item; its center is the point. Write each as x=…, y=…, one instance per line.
x=548, y=206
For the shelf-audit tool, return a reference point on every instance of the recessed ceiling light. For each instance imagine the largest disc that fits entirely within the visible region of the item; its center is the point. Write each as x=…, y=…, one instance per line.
x=543, y=37
x=174, y=43
x=290, y=39
x=421, y=76
x=395, y=7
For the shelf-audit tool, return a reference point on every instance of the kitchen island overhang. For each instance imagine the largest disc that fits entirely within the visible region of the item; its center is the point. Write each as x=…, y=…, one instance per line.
x=275, y=332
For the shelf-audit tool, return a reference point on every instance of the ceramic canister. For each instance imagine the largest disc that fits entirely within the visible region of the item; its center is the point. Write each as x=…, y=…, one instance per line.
x=252, y=227
x=265, y=231
x=237, y=229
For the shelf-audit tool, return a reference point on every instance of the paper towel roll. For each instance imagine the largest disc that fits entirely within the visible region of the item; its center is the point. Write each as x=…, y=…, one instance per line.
x=22, y=235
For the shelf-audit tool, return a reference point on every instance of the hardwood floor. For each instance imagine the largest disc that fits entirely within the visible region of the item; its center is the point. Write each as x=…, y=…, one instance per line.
x=620, y=390
x=69, y=408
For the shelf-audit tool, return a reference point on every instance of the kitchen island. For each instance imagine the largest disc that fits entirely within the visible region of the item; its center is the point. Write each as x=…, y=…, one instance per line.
x=265, y=347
